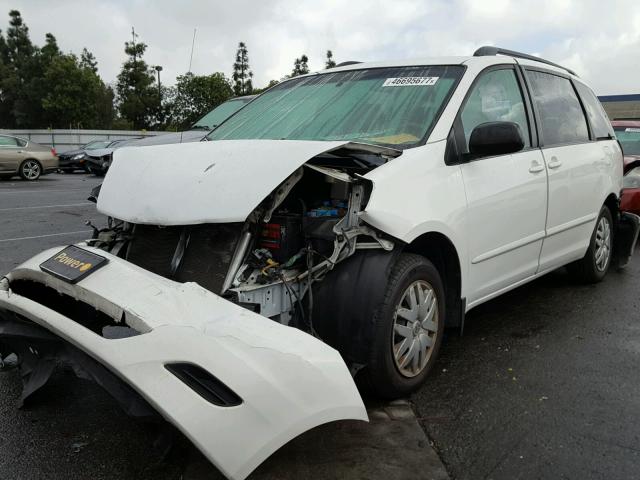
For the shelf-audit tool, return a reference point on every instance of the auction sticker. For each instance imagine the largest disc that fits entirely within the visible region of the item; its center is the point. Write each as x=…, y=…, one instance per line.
x=409, y=81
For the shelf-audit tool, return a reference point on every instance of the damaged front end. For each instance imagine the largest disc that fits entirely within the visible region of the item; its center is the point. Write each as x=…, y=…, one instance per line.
x=207, y=269
x=269, y=251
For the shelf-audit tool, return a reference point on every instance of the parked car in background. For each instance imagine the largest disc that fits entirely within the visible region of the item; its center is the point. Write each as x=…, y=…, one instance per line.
x=29, y=160
x=77, y=159
x=200, y=128
x=98, y=160
x=628, y=134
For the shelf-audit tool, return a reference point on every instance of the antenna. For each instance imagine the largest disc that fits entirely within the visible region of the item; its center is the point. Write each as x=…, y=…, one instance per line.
x=193, y=42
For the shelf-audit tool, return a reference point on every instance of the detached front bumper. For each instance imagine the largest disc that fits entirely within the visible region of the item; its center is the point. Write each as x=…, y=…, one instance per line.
x=288, y=381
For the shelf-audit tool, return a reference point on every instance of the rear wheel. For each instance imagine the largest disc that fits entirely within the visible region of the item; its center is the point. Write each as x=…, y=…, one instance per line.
x=409, y=325
x=30, y=170
x=594, y=265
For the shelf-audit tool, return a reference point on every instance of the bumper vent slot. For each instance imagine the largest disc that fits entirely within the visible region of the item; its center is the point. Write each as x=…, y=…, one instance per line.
x=205, y=384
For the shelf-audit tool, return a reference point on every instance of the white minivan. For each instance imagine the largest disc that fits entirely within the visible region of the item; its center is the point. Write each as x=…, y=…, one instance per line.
x=327, y=231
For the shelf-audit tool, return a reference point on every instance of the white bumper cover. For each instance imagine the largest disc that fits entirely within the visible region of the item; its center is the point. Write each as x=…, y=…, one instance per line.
x=289, y=381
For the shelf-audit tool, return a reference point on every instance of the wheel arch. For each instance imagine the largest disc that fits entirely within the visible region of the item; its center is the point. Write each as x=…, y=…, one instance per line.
x=612, y=202
x=441, y=251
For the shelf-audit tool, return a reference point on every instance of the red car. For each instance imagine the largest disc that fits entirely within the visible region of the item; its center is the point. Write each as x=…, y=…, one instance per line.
x=628, y=133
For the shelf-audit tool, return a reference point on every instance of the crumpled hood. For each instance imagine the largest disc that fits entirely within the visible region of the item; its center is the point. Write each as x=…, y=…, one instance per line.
x=203, y=182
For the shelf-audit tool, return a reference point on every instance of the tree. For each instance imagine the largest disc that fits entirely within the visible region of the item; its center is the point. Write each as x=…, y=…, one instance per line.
x=196, y=95
x=18, y=41
x=7, y=80
x=138, y=100
x=50, y=49
x=76, y=97
x=300, y=66
x=24, y=68
x=87, y=60
x=329, y=63
x=42, y=87
x=242, y=75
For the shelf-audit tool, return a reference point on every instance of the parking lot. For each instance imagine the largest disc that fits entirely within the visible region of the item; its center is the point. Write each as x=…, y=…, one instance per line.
x=543, y=384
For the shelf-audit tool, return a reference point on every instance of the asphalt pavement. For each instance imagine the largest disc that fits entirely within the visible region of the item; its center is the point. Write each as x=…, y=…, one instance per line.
x=545, y=382
x=38, y=215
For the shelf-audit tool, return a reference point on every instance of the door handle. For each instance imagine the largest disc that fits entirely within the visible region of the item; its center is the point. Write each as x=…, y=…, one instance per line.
x=536, y=167
x=554, y=163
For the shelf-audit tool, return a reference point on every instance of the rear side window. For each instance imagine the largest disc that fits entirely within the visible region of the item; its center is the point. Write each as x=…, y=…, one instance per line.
x=495, y=97
x=597, y=117
x=560, y=111
x=8, y=142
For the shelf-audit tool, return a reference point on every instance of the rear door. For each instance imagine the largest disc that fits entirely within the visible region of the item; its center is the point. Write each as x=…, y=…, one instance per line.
x=10, y=153
x=506, y=194
x=576, y=164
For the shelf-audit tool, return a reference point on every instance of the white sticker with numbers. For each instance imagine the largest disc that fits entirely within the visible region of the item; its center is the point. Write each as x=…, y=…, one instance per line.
x=409, y=81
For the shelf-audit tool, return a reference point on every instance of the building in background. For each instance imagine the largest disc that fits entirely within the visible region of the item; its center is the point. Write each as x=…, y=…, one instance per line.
x=620, y=107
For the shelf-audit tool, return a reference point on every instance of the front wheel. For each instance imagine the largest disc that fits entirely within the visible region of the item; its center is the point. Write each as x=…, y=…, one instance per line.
x=409, y=325
x=30, y=170
x=594, y=265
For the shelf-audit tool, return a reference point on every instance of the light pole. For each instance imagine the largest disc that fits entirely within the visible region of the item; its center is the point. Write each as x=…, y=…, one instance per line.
x=158, y=69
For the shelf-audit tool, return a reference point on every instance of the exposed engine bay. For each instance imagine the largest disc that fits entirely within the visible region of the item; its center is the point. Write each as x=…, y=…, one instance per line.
x=269, y=263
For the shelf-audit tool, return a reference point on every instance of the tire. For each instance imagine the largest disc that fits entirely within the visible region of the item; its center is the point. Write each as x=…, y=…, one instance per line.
x=30, y=170
x=591, y=268
x=385, y=375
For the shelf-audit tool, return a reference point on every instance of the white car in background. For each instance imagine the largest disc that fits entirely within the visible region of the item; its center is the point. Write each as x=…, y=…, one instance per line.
x=330, y=229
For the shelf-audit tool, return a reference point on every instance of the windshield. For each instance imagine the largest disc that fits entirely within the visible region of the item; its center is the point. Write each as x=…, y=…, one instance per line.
x=96, y=144
x=219, y=114
x=629, y=138
x=387, y=106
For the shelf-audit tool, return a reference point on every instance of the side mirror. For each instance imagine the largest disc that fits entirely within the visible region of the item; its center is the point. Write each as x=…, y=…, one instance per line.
x=496, y=138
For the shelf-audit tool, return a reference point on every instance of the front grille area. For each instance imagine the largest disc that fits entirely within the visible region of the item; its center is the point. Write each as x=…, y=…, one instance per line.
x=206, y=258
x=80, y=312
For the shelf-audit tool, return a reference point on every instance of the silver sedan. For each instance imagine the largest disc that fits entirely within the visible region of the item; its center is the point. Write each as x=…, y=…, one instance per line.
x=29, y=160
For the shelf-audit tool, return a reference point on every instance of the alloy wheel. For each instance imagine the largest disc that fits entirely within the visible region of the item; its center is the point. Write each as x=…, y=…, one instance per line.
x=603, y=244
x=31, y=170
x=414, y=328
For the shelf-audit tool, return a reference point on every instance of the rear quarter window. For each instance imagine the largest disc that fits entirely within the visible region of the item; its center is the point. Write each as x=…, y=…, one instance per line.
x=597, y=116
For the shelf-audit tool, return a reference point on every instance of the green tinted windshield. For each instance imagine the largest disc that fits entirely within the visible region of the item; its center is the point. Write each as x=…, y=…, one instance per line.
x=629, y=138
x=388, y=106
x=219, y=114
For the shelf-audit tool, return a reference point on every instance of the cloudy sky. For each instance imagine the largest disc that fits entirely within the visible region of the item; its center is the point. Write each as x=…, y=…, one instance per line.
x=598, y=39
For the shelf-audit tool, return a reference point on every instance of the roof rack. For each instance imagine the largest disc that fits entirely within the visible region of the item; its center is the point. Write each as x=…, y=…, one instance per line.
x=489, y=50
x=344, y=64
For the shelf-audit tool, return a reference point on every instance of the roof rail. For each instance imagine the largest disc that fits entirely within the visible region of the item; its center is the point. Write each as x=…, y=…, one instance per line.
x=349, y=62
x=489, y=50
